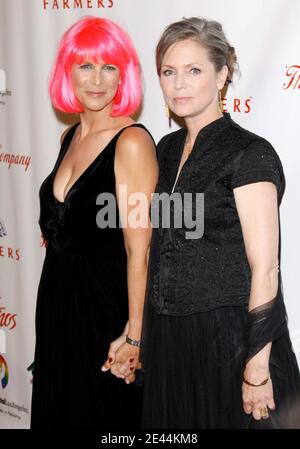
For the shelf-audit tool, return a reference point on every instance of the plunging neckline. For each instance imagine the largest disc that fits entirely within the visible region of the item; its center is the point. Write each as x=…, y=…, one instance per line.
x=87, y=168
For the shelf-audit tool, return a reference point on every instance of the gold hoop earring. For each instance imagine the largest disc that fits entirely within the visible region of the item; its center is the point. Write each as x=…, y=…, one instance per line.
x=221, y=106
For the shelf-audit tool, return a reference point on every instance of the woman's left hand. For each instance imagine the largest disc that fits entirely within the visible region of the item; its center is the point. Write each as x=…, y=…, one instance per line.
x=257, y=400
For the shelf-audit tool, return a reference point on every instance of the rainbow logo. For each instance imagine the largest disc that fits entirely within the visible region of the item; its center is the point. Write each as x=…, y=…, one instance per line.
x=3, y=372
x=3, y=231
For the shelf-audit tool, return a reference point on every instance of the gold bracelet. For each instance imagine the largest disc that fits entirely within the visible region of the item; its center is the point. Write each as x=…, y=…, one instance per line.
x=256, y=385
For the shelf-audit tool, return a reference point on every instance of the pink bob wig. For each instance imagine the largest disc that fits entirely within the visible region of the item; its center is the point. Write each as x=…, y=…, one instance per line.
x=92, y=39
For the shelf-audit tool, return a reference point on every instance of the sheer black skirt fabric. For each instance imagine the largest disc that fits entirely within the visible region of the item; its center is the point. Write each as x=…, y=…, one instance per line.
x=193, y=368
x=266, y=323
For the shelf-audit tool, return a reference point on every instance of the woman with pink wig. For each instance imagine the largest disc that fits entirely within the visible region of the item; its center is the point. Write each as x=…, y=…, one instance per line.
x=93, y=279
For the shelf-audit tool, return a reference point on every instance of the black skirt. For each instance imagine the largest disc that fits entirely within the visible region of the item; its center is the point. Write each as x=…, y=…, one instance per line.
x=75, y=325
x=193, y=368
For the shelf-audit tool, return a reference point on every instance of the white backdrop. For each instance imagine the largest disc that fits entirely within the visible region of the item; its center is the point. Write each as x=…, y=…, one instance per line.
x=266, y=37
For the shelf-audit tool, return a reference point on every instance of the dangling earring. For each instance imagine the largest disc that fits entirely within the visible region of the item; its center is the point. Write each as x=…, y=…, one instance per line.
x=168, y=114
x=221, y=106
x=167, y=111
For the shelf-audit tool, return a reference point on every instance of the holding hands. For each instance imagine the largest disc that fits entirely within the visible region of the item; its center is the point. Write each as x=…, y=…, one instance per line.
x=123, y=359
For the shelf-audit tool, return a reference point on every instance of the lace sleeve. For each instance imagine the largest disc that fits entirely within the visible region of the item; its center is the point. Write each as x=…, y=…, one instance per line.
x=258, y=162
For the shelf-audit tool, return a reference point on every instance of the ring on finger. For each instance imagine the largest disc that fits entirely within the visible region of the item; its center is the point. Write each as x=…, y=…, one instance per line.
x=264, y=412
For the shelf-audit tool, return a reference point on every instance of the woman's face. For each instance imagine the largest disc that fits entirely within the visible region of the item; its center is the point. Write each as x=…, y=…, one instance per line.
x=189, y=80
x=95, y=85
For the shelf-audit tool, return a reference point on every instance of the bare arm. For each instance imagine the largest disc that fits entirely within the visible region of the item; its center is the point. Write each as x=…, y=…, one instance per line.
x=136, y=168
x=258, y=212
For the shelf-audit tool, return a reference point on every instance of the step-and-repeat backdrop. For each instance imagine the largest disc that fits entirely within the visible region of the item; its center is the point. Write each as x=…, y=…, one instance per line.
x=264, y=99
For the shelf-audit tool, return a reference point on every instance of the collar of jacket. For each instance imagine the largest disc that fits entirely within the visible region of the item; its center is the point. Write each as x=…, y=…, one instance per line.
x=174, y=144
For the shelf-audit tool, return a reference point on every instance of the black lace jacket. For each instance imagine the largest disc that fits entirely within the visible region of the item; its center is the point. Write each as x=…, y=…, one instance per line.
x=194, y=275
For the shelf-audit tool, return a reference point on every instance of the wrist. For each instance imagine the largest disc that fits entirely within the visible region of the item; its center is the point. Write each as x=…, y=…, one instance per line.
x=133, y=342
x=256, y=384
x=125, y=331
x=256, y=375
x=134, y=331
x=257, y=365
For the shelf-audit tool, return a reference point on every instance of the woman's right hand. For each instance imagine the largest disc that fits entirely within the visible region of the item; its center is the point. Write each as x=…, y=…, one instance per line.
x=128, y=376
x=114, y=346
x=257, y=400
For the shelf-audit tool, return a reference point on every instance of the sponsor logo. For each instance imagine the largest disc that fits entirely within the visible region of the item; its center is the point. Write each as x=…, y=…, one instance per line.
x=238, y=105
x=8, y=252
x=3, y=372
x=12, y=409
x=77, y=4
x=2, y=229
x=15, y=159
x=3, y=90
x=7, y=319
x=293, y=77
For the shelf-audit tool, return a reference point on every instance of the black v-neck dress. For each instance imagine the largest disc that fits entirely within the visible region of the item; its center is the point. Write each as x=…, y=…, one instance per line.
x=82, y=306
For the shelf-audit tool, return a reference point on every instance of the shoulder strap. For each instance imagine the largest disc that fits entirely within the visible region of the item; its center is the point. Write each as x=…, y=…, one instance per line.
x=138, y=125
x=68, y=134
x=67, y=139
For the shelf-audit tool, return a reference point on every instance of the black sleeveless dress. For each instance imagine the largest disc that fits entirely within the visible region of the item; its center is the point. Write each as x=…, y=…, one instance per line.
x=82, y=306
